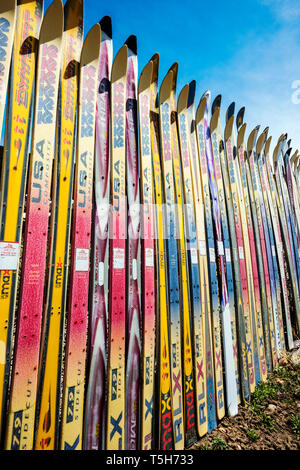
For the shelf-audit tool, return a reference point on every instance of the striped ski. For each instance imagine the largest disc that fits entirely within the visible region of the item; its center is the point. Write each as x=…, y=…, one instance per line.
x=267, y=188
x=250, y=254
x=189, y=412
x=51, y=356
x=165, y=107
x=71, y=433
x=197, y=327
x=213, y=275
x=21, y=417
x=147, y=260
x=243, y=380
x=220, y=192
x=95, y=409
x=7, y=29
x=256, y=261
x=268, y=223
x=229, y=145
x=115, y=438
x=164, y=418
x=204, y=346
x=257, y=216
x=133, y=340
x=14, y=174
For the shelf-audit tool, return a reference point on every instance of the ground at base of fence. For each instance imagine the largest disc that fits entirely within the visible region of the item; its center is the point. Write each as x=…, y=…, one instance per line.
x=271, y=421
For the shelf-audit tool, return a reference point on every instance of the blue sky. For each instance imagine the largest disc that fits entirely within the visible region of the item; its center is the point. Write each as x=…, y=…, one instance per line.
x=248, y=51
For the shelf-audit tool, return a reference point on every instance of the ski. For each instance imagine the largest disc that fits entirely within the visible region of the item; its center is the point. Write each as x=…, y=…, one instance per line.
x=261, y=242
x=189, y=412
x=219, y=193
x=250, y=254
x=268, y=223
x=201, y=128
x=147, y=259
x=259, y=287
x=14, y=176
x=75, y=356
x=95, y=409
x=243, y=380
x=203, y=342
x=229, y=145
x=164, y=418
x=133, y=322
x=22, y=402
x=197, y=328
x=167, y=152
x=115, y=438
x=7, y=29
x=53, y=336
x=268, y=188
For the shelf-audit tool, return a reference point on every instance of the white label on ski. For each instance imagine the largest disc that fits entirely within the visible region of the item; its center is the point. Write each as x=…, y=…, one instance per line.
x=241, y=252
x=220, y=248
x=134, y=269
x=101, y=273
x=82, y=259
x=9, y=256
x=212, y=255
x=202, y=247
x=273, y=250
x=149, y=257
x=194, y=256
x=119, y=258
x=228, y=255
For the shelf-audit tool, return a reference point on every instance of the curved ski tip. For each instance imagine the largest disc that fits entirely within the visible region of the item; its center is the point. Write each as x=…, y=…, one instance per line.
x=214, y=120
x=8, y=5
x=106, y=25
x=165, y=87
x=229, y=127
x=155, y=57
x=91, y=46
x=252, y=139
x=174, y=68
x=261, y=141
x=145, y=77
x=201, y=109
x=230, y=111
x=267, y=146
x=240, y=118
x=131, y=43
x=73, y=14
x=182, y=101
x=207, y=96
x=119, y=66
x=216, y=103
x=241, y=134
x=54, y=16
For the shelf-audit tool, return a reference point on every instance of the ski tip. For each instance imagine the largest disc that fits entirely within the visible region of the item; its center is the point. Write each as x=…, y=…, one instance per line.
x=240, y=118
x=73, y=14
x=229, y=128
x=106, y=26
x=131, y=43
x=182, y=101
x=267, y=146
x=241, y=135
x=230, y=111
x=146, y=77
x=155, y=57
x=53, y=23
x=216, y=103
x=252, y=139
x=192, y=93
x=261, y=141
x=8, y=5
x=294, y=157
x=119, y=66
x=166, y=87
x=215, y=114
x=91, y=46
x=201, y=109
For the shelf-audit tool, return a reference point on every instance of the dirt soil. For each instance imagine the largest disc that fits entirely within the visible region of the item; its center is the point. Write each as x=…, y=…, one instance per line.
x=271, y=421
